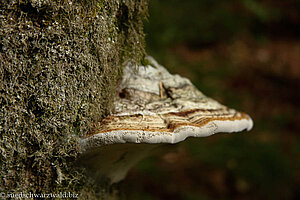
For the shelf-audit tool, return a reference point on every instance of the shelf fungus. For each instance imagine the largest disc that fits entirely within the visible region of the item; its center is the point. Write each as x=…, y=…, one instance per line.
x=152, y=108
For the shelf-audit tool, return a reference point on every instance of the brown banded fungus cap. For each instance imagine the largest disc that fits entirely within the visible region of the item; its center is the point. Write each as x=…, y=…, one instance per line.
x=154, y=107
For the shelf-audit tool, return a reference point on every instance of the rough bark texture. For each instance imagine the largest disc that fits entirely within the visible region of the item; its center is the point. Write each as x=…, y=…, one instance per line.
x=60, y=62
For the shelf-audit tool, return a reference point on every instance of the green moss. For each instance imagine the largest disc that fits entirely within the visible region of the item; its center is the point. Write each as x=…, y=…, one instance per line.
x=60, y=63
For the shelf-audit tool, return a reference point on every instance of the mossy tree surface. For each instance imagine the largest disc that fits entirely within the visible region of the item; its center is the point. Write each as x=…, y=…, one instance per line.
x=60, y=62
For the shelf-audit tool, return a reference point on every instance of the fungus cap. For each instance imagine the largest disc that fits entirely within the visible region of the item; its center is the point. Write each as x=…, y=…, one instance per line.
x=154, y=106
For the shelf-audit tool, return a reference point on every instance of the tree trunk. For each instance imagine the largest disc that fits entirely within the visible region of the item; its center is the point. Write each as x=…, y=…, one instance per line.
x=60, y=63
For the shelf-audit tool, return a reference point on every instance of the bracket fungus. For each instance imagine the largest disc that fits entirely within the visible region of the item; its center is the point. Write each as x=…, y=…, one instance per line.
x=154, y=107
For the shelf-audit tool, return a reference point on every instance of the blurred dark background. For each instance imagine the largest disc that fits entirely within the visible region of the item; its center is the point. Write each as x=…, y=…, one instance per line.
x=246, y=55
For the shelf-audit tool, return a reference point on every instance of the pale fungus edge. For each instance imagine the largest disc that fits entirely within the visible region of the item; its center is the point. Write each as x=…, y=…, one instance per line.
x=155, y=137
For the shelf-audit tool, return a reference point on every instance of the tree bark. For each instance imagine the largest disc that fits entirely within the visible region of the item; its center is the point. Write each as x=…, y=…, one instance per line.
x=60, y=64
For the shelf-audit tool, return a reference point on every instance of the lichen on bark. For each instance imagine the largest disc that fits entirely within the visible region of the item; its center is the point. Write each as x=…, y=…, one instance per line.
x=60, y=63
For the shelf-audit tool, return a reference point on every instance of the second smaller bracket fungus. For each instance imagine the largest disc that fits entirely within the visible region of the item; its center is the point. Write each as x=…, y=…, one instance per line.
x=156, y=107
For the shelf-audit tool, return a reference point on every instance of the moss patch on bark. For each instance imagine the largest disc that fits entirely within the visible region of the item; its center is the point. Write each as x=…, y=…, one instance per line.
x=60, y=63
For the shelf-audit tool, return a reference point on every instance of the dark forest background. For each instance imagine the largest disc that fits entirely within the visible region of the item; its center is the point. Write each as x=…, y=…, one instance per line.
x=246, y=55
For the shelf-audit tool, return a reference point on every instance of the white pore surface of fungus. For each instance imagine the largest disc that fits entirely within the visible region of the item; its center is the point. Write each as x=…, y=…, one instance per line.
x=155, y=107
